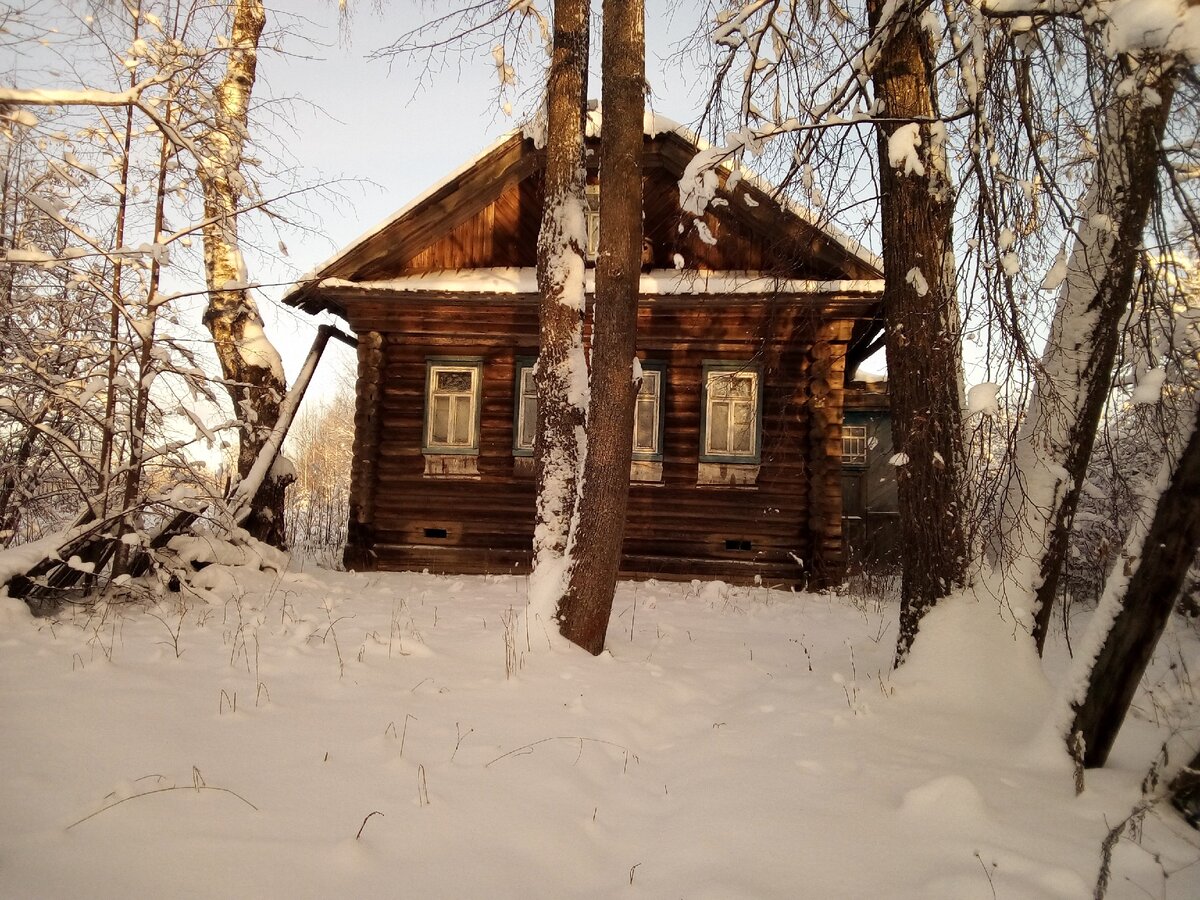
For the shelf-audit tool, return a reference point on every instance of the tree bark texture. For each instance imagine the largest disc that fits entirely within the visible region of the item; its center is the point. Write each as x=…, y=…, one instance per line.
x=1074, y=377
x=595, y=548
x=561, y=375
x=922, y=329
x=1185, y=792
x=251, y=367
x=1150, y=591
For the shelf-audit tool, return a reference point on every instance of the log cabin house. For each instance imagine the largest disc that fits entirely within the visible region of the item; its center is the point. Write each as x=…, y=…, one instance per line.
x=750, y=327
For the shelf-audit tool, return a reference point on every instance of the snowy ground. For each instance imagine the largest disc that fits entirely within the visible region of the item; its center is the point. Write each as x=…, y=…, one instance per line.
x=732, y=742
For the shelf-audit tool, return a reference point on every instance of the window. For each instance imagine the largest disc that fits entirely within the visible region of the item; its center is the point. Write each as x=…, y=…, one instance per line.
x=592, y=220
x=525, y=408
x=854, y=445
x=732, y=413
x=647, y=414
x=452, y=389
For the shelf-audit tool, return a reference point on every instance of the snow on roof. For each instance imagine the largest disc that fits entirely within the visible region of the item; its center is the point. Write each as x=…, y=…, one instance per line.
x=662, y=282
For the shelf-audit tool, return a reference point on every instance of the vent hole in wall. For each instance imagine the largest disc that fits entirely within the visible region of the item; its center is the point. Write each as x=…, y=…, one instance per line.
x=435, y=532
x=738, y=544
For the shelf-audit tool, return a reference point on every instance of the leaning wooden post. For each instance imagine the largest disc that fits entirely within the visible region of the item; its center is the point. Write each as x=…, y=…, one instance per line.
x=239, y=503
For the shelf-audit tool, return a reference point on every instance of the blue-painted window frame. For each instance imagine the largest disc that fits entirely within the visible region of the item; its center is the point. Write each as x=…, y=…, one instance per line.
x=521, y=364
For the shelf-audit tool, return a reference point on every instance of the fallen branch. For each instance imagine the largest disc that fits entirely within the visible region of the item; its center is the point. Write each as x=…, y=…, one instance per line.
x=197, y=788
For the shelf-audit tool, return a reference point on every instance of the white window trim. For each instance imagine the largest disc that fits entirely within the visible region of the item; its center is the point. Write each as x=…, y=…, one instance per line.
x=854, y=436
x=434, y=366
x=654, y=455
x=659, y=372
x=591, y=219
x=714, y=369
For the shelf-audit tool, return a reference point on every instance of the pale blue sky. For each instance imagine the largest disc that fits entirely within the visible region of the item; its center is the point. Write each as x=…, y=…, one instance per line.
x=356, y=118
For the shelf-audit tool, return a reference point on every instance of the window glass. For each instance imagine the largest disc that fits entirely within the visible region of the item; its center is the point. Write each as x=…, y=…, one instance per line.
x=452, y=407
x=646, y=413
x=647, y=417
x=592, y=220
x=731, y=413
x=854, y=444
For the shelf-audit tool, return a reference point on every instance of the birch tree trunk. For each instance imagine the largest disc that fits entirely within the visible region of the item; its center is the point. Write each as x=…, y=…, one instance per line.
x=595, y=546
x=251, y=366
x=922, y=325
x=1074, y=377
x=1138, y=599
x=561, y=375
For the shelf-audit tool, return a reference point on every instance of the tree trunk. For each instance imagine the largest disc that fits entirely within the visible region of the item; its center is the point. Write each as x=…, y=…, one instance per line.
x=251, y=366
x=117, y=300
x=922, y=328
x=1074, y=377
x=595, y=546
x=145, y=361
x=1139, y=597
x=1185, y=792
x=561, y=375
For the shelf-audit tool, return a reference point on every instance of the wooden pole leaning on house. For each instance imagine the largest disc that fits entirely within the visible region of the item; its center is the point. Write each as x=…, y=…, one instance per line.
x=85, y=541
x=240, y=499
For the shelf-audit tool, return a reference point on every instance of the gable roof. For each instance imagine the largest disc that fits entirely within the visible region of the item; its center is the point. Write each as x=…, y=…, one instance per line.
x=509, y=172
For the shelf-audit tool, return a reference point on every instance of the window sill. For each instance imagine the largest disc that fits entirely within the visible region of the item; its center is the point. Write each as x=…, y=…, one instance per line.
x=727, y=474
x=451, y=465
x=642, y=471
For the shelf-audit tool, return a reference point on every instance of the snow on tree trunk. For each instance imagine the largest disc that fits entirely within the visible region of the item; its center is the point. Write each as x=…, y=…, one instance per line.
x=1138, y=599
x=250, y=364
x=1074, y=376
x=561, y=375
x=595, y=545
x=921, y=320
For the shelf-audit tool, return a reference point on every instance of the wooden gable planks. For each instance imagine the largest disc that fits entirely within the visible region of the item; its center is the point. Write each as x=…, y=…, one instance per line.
x=490, y=214
x=388, y=252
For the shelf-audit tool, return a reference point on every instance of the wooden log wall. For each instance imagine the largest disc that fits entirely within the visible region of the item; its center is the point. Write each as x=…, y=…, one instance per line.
x=675, y=528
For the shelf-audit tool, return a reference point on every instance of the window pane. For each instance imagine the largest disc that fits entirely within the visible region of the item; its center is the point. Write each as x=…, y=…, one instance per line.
x=439, y=420
x=645, y=430
x=649, y=386
x=718, y=427
x=593, y=233
x=528, y=386
x=457, y=382
x=742, y=437
x=718, y=386
x=528, y=423
x=460, y=434
x=741, y=386
x=854, y=443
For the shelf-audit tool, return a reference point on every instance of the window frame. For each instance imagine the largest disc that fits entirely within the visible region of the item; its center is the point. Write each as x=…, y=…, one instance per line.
x=522, y=364
x=472, y=364
x=659, y=369
x=591, y=221
x=715, y=368
x=856, y=459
